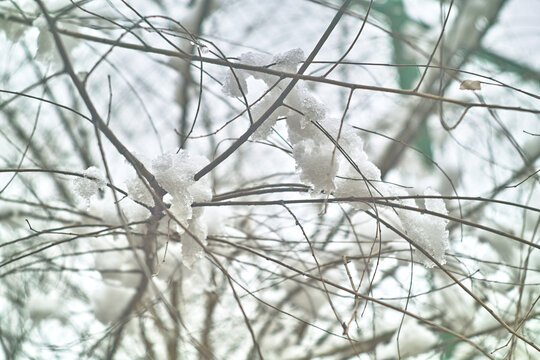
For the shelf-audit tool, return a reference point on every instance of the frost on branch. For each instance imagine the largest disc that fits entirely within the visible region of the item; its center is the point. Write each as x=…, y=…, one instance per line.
x=428, y=231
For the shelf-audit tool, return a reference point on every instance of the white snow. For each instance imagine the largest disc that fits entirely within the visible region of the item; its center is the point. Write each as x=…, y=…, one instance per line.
x=286, y=62
x=191, y=249
x=175, y=173
x=289, y=60
x=319, y=161
x=315, y=164
x=312, y=149
x=365, y=183
x=138, y=191
x=233, y=82
x=88, y=186
x=260, y=108
x=428, y=231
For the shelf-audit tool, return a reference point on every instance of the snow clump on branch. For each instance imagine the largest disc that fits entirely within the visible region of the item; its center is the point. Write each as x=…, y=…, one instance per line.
x=235, y=82
x=426, y=230
x=175, y=174
x=312, y=134
x=89, y=185
x=12, y=14
x=329, y=154
x=185, y=227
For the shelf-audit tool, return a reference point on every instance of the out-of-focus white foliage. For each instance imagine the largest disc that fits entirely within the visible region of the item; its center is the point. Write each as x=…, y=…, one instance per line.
x=119, y=266
x=197, y=230
x=45, y=306
x=13, y=31
x=414, y=339
x=46, y=47
x=109, y=301
x=106, y=210
x=215, y=220
x=90, y=184
x=456, y=309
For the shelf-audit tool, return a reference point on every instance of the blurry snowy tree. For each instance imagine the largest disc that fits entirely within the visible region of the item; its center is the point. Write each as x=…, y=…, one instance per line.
x=302, y=179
